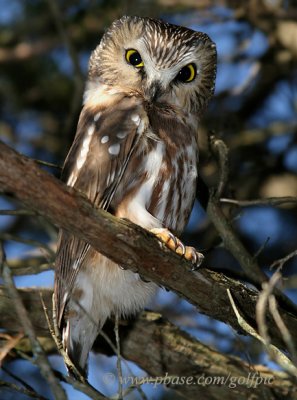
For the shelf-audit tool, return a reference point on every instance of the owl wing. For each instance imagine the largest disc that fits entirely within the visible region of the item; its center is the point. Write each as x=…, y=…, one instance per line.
x=94, y=166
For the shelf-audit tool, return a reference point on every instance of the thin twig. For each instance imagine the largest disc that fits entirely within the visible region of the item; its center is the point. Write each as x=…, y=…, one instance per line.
x=272, y=350
x=223, y=226
x=18, y=212
x=119, y=358
x=54, y=331
x=261, y=308
x=114, y=349
x=29, y=242
x=261, y=249
x=47, y=164
x=286, y=335
x=24, y=391
x=280, y=263
x=67, y=360
x=78, y=75
x=227, y=232
x=22, y=382
x=58, y=18
x=83, y=387
x=11, y=342
x=271, y=201
x=40, y=357
x=220, y=150
x=79, y=382
x=29, y=266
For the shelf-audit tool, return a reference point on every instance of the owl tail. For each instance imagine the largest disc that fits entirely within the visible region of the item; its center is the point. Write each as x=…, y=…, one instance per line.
x=78, y=335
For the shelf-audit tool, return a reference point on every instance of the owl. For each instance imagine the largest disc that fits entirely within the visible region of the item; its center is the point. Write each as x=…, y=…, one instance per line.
x=135, y=154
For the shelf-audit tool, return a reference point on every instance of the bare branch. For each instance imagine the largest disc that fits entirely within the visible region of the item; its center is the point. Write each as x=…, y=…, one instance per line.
x=41, y=359
x=17, y=212
x=83, y=387
x=25, y=391
x=273, y=308
x=29, y=265
x=280, y=263
x=175, y=354
x=273, y=351
x=11, y=342
x=261, y=308
x=30, y=242
x=54, y=7
x=223, y=226
x=226, y=231
x=128, y=244
x=270, y=201
x=220, y=150
x=47, y=164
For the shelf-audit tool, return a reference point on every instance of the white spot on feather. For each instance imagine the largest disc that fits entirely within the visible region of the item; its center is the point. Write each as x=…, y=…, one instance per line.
x=97, y=116
x=122, y=135
x=91, y=129
x=114, y=149
x=85, y=147
x=105, y=139
x=135, y=118
x=72, y=179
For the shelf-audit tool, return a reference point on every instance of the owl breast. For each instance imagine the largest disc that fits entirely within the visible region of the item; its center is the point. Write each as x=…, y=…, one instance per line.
x=159, y=186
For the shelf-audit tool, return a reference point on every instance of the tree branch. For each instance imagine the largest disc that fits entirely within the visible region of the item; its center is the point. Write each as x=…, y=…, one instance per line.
x=26, y=324
x=129, y=245
x=162, y=349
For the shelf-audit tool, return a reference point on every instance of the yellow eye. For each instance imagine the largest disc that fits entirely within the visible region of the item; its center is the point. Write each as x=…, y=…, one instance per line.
x=187, y=73
x=134, y=58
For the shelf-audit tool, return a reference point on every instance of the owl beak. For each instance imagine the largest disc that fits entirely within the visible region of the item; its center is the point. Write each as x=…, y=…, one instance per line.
x=153, y=91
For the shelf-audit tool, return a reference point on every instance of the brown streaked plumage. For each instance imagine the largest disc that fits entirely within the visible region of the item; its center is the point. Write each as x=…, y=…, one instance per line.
x=135, y=154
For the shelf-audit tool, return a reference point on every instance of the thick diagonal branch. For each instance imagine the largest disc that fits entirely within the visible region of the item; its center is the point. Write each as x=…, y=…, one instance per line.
x=162, y=349
x=127, y=244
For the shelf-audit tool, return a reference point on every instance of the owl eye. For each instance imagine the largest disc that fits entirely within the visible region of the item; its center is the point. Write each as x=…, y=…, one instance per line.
x=187, y=73
x=134, y=58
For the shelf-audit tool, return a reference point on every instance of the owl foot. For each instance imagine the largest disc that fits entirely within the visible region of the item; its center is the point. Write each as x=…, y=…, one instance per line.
x=173, y=243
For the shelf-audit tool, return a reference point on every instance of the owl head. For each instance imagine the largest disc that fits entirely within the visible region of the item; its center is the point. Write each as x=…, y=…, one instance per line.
x=166, y=64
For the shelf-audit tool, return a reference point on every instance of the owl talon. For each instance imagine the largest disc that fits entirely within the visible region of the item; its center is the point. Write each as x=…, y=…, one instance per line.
x=181, y=248
x=173, y=243
x=194, y=256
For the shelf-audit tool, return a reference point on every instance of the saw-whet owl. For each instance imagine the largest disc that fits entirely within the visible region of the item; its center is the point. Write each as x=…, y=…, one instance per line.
x=135, y=155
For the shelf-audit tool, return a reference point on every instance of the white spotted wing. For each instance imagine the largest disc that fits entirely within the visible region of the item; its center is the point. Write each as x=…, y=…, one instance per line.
x=94, y=166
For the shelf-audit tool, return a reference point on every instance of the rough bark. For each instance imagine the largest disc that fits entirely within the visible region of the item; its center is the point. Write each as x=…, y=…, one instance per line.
x=129, y=245
x=163, y=350
x=153, y=343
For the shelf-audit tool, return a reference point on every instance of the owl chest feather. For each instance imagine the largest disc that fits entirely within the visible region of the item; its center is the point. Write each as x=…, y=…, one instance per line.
x=158, y=189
